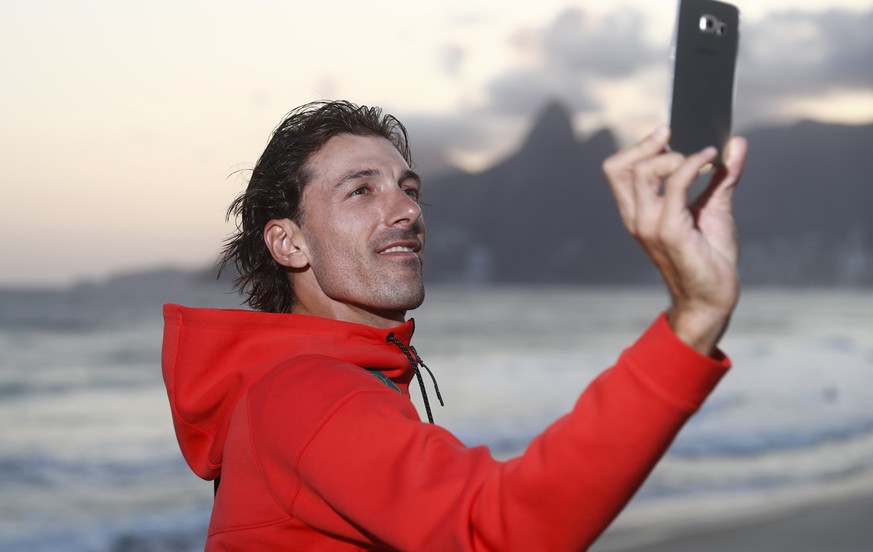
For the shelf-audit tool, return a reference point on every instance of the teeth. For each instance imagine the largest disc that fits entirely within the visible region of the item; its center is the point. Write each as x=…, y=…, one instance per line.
x=398, y=250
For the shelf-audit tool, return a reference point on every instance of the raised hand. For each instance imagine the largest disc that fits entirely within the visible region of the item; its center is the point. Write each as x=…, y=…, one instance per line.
x=694, y=246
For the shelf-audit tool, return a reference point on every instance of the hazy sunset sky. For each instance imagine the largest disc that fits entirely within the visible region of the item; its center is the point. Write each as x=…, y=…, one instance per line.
x=125, y=123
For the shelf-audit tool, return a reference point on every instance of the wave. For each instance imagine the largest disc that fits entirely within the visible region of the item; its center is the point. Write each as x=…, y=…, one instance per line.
x=774, y=440
x=179, y=531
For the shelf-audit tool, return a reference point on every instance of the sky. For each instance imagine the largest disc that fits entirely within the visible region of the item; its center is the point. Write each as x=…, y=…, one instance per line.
x=127, y=127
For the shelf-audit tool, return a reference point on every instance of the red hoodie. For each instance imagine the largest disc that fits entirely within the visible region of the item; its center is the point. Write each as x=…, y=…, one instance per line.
x=314, y=453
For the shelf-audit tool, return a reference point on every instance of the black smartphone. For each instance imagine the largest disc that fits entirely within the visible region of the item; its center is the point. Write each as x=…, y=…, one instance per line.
x=702, y=80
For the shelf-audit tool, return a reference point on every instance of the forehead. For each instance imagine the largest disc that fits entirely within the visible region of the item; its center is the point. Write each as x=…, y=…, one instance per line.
x=347, y=152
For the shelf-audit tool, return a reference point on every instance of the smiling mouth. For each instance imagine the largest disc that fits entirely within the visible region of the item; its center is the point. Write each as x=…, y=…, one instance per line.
x=398, y=249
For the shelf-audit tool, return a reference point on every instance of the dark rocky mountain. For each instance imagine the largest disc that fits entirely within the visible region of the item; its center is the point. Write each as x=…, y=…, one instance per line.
x=805, y=209
x=546, y=214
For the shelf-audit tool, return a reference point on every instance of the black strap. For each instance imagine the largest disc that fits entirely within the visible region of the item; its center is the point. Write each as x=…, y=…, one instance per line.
x=415, y=362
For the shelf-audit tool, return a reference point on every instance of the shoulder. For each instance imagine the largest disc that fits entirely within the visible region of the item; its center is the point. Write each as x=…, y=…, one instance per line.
x=300, y=394
x=313, y=372
x=311, y=379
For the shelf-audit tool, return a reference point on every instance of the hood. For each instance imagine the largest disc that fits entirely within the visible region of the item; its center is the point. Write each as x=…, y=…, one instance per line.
x=211, y=356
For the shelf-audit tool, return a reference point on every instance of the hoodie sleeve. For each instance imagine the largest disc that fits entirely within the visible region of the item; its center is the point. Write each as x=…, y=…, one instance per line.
x=368, y=471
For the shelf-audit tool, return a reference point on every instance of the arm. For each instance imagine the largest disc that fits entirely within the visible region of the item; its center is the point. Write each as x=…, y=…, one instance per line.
x=693, y=246
x=369, y=472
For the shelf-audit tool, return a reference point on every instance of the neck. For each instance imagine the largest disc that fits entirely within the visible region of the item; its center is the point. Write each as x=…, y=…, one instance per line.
x=353, y=314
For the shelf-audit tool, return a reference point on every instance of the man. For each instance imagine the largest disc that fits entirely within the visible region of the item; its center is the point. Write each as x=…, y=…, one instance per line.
x=303, y=410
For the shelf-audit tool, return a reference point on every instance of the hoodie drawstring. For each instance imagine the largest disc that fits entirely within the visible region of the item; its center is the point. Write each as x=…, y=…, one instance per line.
x=415, y=361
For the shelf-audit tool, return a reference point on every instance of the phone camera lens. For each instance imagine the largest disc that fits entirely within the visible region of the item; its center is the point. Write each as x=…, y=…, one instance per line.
x=712, y=25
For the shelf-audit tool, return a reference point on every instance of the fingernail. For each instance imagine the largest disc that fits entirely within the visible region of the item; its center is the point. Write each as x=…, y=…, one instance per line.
x=659, y=132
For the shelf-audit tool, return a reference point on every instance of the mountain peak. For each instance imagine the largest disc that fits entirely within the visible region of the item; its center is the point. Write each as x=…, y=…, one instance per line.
x=552, y=126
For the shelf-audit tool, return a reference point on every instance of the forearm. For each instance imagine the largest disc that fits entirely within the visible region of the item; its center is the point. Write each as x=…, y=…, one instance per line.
x=578, y=475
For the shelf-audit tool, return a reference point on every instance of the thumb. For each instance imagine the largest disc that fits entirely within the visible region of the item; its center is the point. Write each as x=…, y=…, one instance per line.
x=725, y=177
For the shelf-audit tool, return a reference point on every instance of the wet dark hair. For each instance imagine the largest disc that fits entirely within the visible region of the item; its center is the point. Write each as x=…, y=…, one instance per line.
x=276, y=185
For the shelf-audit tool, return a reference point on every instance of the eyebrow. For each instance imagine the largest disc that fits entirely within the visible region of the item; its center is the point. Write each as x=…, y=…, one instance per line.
x=353, y=176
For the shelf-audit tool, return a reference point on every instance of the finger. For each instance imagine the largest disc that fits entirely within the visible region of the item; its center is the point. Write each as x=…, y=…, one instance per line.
x=619, y=164
x=677, y=186
x=735, y=157
x=649, y=175
x=619, y=172
x=648, y=178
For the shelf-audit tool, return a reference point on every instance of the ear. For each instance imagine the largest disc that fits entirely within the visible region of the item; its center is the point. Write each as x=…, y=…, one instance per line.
x=286, y=244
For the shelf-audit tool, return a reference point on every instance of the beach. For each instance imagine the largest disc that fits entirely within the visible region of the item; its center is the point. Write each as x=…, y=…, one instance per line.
x=832, y=518
x=780, y=457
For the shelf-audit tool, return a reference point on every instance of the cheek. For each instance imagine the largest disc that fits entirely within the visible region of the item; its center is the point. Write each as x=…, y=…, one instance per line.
x=336, y=253
x=337, y=241
x=326, y=231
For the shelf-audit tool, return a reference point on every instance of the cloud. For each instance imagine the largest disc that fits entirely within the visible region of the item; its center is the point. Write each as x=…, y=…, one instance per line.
x=603, y=64
x=796, y=54
x=576, y=42
x=432, y=136
x=561, y=61
x=611, y=46
x=565, y=58
x=788, y=60
x=451, y=58
x=523, y=92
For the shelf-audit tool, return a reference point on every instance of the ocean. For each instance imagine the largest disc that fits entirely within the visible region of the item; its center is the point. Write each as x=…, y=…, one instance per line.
x=89, y=461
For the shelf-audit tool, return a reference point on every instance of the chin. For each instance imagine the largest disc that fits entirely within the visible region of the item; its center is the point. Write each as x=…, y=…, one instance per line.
x=412, y=303
x=417, y=303
x=405, y=300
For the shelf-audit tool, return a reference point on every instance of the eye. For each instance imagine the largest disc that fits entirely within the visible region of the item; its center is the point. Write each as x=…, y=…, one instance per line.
x=360, y=190
x=412, y=192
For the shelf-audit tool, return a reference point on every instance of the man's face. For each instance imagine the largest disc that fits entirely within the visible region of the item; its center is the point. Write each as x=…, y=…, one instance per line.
x=364, y=232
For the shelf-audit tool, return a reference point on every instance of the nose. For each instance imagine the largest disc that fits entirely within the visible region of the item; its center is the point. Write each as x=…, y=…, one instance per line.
x=403, y=209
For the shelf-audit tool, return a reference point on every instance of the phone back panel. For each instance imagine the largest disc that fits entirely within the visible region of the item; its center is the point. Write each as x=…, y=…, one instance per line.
x=704, y=60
